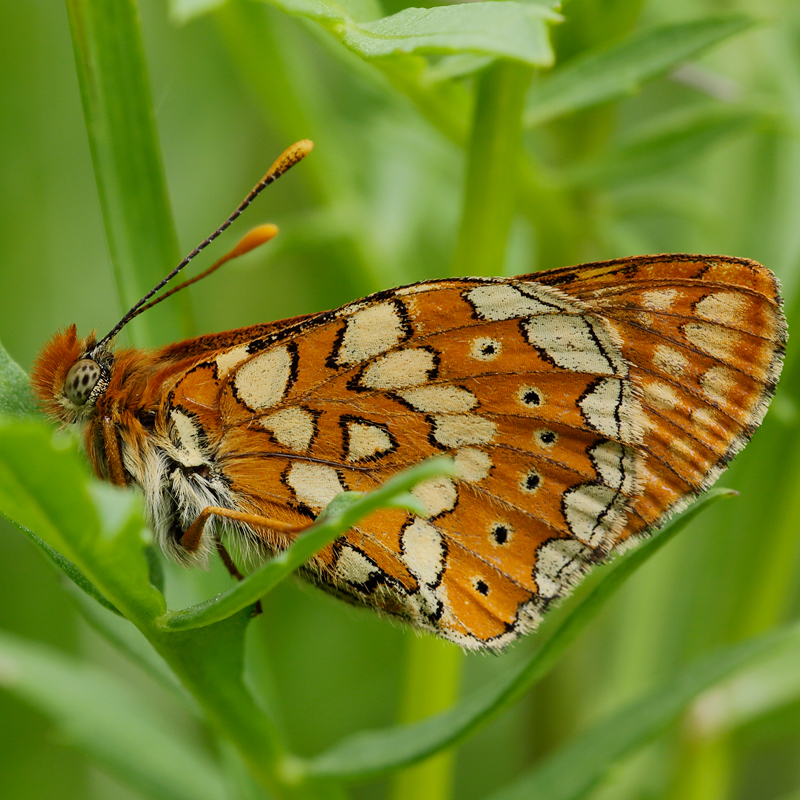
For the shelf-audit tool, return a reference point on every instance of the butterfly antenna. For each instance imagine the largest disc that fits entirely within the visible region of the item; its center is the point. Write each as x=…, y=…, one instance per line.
x=285, y=161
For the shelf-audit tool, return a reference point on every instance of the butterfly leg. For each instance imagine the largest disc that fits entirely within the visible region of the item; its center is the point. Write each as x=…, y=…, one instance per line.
x=191, y=539
x=233, y=571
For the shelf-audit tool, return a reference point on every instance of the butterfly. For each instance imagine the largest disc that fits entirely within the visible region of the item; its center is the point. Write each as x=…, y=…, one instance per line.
x=582, y=406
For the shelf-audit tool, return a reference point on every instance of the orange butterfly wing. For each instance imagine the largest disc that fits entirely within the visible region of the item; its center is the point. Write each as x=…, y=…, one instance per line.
x=580, y=407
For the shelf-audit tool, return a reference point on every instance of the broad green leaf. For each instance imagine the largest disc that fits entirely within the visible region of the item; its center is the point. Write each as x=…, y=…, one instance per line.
x=574, y=770
x=608, y=74
x=348, y=509
x=331, y=11
x=665, y=145
x=98, y=528
x=511, y=30
x=16, y=399
x=68, y=568
x=378, y=752
x=103, y=717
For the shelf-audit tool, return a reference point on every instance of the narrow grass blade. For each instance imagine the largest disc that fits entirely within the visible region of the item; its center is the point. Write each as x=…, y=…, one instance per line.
x=379, y=752
x=614, y=72
x=347, y=511
x=120, y=123
x=673, y=141
x=576, y=769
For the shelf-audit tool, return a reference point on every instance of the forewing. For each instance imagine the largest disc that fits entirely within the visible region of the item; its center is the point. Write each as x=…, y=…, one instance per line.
x=522, y=385
x=580, y=406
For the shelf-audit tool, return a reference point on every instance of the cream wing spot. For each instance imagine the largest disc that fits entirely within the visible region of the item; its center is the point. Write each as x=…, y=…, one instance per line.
x=438, y=495
x=660, y=395
x=708, y=422
x=365, y=440
x=501, y=301
x=440, y=399
x=574, y=343
x=589, y=511
x=559, y=563
x=726, y=308
x=371, y=331
x=229, y=359
x=314, y=485
x=718, y=342
x=263, y=381
x=355, y=568
x=188, y=437
x=718, y=383
x=659, y=299
x=472, y=465
x=458, y=430
x=400, y=369
x=423, y=551
x=670, y=361
x=292, y=427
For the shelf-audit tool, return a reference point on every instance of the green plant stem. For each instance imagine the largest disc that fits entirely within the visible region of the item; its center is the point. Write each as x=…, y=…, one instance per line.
x=433, y=678
x=123, y=140
x=493, y=164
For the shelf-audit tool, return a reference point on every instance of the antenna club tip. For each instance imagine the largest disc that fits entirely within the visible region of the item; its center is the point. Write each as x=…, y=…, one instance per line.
x=288, y=158
x=261, y=234
x=305, y=146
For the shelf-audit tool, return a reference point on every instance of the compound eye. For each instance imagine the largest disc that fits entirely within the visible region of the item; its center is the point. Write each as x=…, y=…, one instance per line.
x=81, y=379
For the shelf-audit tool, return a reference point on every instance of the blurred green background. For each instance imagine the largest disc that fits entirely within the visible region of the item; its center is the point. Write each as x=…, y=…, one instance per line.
x=704, y=158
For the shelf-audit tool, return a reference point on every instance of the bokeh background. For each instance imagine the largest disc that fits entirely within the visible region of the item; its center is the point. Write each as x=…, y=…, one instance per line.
x=703, y=159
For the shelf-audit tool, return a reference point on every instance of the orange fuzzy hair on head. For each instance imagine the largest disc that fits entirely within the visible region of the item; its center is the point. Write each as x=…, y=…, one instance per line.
x=50, y=369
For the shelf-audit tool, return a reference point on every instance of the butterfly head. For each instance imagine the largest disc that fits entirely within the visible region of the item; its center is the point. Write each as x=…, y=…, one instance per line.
x=71, y=374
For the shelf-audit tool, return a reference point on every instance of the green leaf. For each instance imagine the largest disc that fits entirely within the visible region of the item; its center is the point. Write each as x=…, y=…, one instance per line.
x=328, y=11
x=68, y=568
x=349, y=510
x=16, y=399
x=105, y=719
x=608, y=74
x=512, y=30
x=378, y=752
x=96, y=527
x=665, y=144
x=574, y=770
